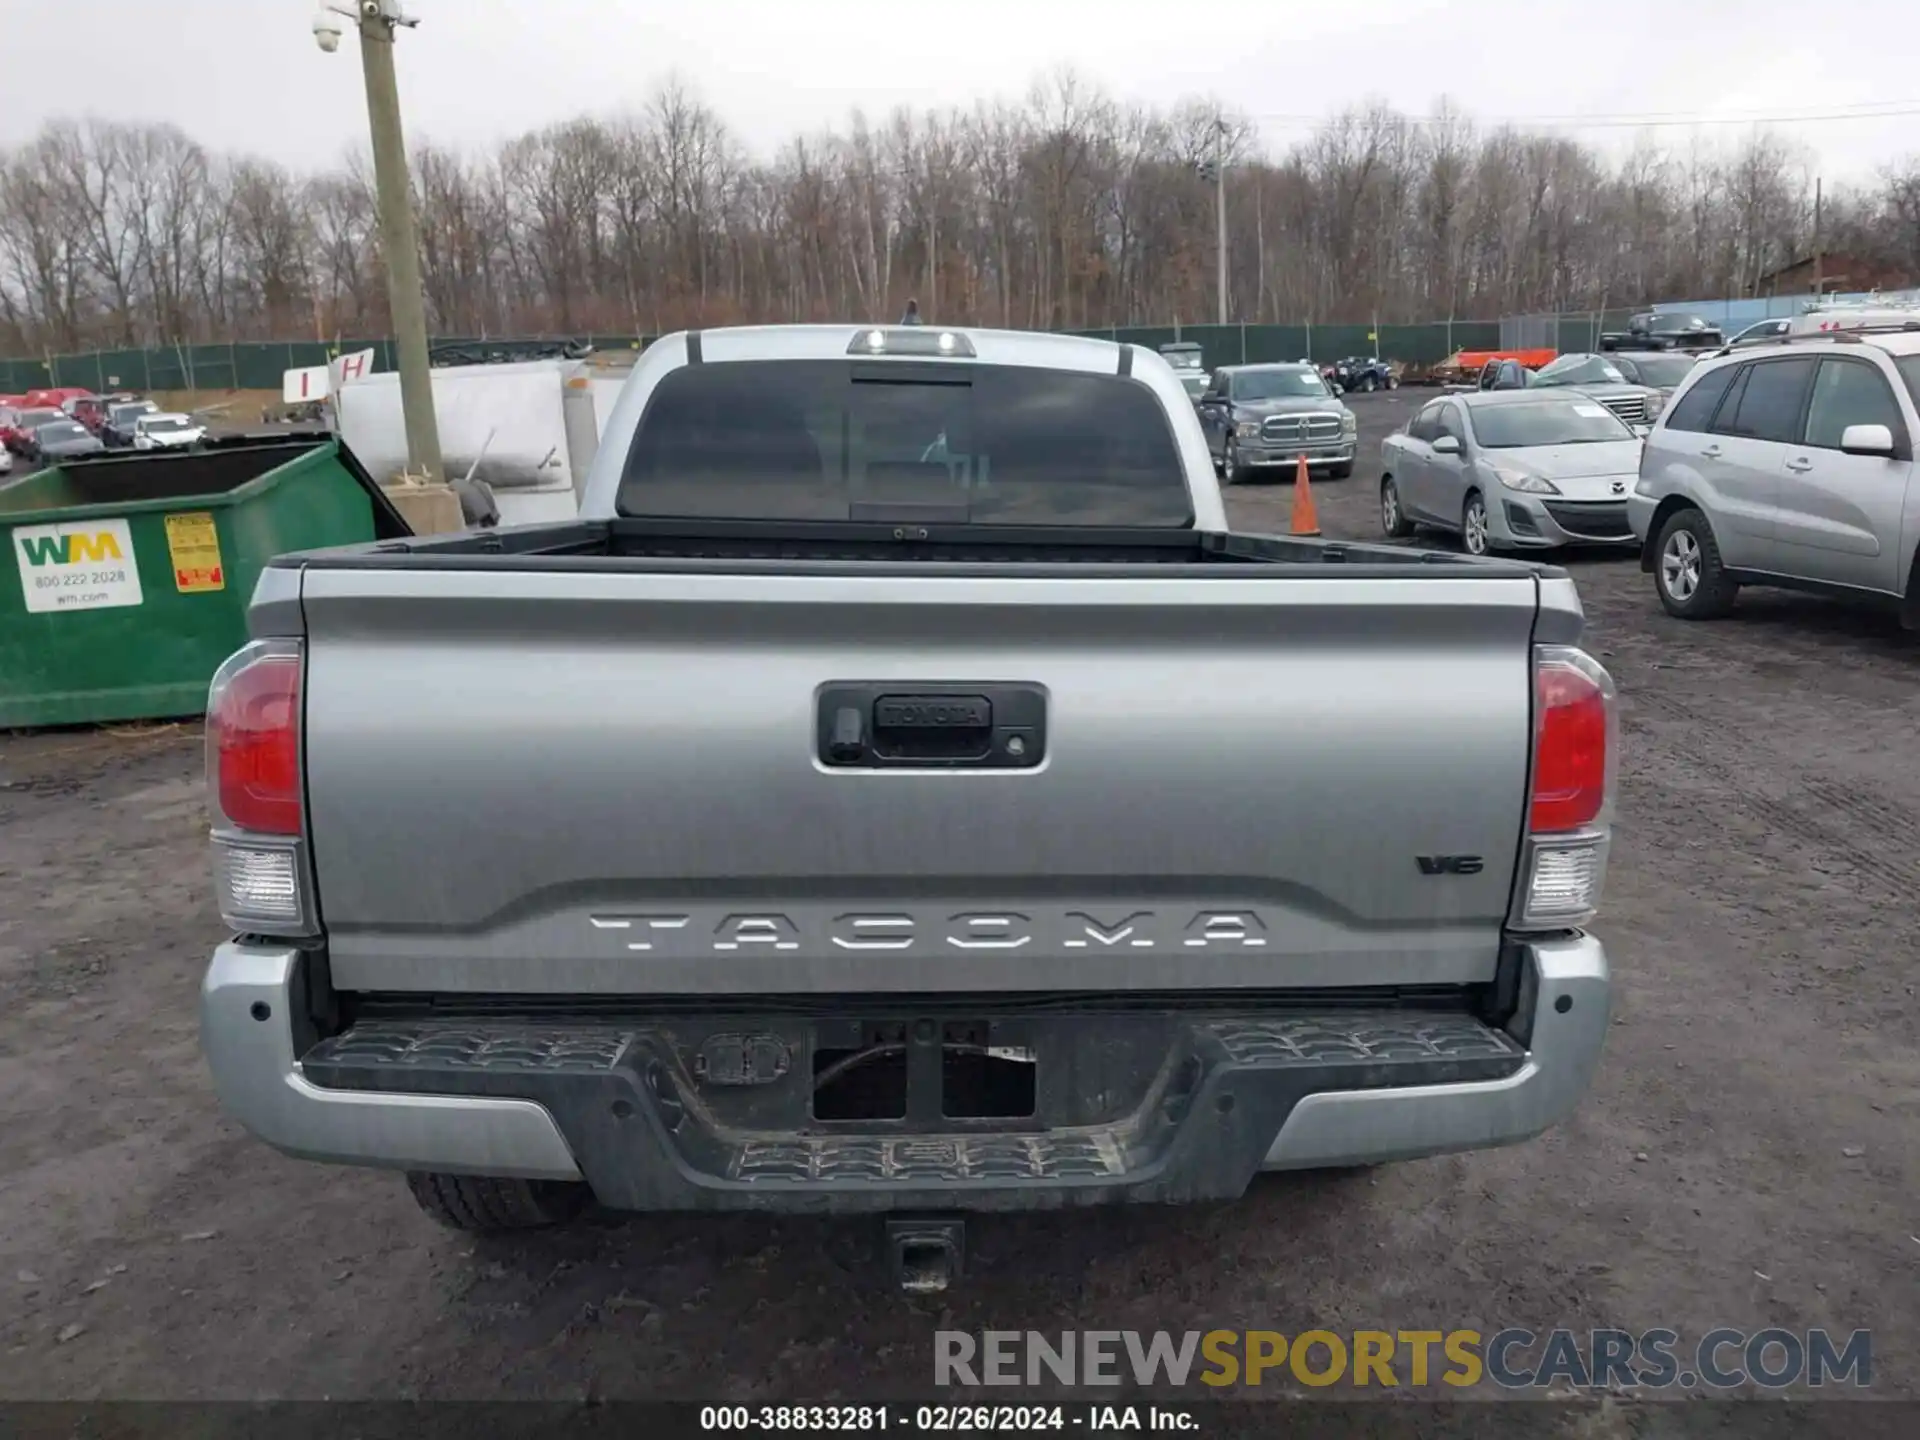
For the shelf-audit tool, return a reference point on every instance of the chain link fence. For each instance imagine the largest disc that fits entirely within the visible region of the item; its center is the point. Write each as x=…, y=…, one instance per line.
x=1577, y=331
x=261, y=365
x=247, y=365
x=1256, y=344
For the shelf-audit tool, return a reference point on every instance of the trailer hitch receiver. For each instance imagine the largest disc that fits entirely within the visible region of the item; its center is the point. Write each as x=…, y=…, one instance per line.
x=927, y=1252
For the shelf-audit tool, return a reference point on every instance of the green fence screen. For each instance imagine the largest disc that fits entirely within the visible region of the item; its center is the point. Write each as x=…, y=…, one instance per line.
x=260, y=365
x=1253, y=344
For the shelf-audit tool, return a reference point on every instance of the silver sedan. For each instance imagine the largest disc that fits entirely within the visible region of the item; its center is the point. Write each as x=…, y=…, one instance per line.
x=1511, y=470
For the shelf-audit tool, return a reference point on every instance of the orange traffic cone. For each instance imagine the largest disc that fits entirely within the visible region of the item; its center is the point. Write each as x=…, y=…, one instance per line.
x=1305, y=522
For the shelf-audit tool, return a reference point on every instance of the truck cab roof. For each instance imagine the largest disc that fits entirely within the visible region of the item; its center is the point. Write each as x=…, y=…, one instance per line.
x=1083, y=422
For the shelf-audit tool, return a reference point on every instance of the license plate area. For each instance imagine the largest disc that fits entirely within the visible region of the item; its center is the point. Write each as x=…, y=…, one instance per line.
x=938, y=1072
x=912, y=1066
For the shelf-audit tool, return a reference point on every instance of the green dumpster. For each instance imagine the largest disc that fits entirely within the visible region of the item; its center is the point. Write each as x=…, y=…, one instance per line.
x=133, y=572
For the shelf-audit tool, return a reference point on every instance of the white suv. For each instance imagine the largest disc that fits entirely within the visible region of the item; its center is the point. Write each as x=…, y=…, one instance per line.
x=1789, y=464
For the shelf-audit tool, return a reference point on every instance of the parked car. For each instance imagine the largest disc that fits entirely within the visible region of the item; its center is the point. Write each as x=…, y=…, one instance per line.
x=1790, y=465
x=122, y=420
x=1664, y=330
x=1504, y=374
x=1188, y=363
x=1258, y=417
x=1608, y=379
x=18, y=434
x=477, y=954
x=92, y=410
x=57, y=397
x=64, y=440
x=1761, y=332
x=1657, y=370
x=1363, y=373
x=1511, y=471
x=162, y=431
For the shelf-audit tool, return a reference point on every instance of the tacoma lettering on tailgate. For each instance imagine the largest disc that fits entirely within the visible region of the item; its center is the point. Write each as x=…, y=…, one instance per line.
x=731, y=932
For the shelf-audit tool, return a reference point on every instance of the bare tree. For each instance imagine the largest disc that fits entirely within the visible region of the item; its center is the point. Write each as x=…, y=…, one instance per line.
x=1064, y=210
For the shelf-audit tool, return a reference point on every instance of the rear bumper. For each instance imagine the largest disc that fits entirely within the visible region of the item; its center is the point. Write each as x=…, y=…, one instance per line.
x=1218, y=1098
x=252, y=1004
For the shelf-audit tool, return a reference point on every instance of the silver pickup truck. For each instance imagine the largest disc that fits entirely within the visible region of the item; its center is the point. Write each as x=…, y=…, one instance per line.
x=897, y=792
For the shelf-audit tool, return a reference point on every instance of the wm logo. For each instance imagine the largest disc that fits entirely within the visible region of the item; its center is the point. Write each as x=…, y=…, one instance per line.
x=75, y=549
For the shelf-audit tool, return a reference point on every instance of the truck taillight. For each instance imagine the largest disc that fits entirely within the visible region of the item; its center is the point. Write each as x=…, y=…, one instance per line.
x=254, y=783
x=253, y=739
x=1575, y=739
x=1573, y=733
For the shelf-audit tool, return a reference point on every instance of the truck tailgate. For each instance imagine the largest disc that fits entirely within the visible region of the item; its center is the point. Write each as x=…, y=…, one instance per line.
x=607, y=782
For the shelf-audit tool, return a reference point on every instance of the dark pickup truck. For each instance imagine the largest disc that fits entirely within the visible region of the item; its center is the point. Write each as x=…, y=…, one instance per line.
x=1363, y=373
x=1664, y=330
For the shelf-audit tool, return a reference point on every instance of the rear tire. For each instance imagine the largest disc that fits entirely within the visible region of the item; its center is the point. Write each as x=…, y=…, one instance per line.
x=1393, y=515
x=1367, y=386
x=1687, y=573
x=488, y=1205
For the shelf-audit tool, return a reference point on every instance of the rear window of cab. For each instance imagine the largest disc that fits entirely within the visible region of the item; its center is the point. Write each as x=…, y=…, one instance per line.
x=867, y=440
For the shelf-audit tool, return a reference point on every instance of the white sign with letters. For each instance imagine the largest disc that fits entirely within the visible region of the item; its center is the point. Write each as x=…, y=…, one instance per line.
x=308, y=383
x=356, y=366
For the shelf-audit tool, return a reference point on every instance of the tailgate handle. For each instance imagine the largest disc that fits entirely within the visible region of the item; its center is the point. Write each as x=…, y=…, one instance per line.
x=862, y=725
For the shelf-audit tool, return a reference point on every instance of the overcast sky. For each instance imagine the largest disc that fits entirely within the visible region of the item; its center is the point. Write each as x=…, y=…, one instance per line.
x=246, y=74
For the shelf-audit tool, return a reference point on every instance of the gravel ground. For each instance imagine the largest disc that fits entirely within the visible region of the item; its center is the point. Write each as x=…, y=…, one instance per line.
x=1748, y=1157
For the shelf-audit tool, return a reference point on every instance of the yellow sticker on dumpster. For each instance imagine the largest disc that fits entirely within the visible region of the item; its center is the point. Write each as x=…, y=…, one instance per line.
x=194, y=545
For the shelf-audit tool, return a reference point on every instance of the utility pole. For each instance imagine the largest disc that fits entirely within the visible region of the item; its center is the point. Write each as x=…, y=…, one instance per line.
x=1819, y=283
x=378, y=21
x=1220, y=206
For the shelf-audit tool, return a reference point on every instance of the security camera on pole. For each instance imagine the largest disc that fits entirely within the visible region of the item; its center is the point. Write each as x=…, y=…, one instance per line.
x=377, y=21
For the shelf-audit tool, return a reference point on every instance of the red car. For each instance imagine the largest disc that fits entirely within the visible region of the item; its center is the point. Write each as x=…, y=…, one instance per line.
x=93, y=411
x=17, y=426
x=56, y=398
